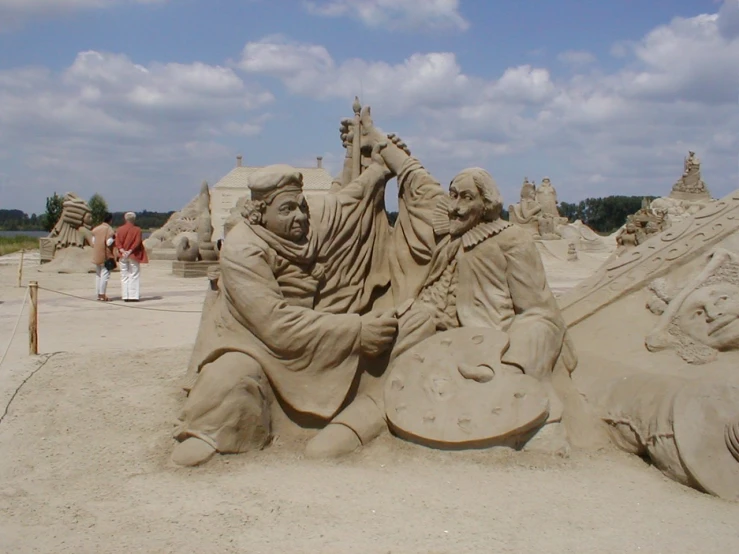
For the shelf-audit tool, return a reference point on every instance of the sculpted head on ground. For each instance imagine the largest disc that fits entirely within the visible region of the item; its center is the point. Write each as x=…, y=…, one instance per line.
x=277, y=202
x=703, y=318
x=474, y=199
x=710, y=315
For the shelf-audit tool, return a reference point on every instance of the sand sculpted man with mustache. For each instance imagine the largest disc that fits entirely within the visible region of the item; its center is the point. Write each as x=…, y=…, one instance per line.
x=483, y=272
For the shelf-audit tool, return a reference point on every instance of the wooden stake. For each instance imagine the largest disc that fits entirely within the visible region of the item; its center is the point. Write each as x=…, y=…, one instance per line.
x=33, y=319
x=20, y=269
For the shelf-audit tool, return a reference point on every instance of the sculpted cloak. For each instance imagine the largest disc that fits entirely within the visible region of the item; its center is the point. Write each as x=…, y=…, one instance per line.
x=281, y=302
x=493, y=277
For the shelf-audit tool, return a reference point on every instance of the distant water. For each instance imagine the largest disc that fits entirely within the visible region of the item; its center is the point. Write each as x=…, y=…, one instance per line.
x=145, y=234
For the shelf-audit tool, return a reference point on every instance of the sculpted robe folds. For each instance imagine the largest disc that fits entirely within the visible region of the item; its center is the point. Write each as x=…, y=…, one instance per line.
x=497, y=281
x=281, y=303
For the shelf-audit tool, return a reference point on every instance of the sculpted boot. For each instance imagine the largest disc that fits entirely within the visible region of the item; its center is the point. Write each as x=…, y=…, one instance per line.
x=358, y=424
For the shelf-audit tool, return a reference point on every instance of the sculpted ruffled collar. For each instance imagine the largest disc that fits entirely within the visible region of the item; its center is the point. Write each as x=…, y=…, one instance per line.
x=483, y=231
x=474, y=236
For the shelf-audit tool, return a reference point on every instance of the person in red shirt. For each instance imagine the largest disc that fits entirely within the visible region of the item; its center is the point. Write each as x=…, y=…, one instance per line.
x=132, y=254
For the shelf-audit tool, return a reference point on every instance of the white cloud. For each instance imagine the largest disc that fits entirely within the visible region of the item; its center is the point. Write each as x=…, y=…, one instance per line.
x=105, y=121
x=424, y=79
x=594, y=132
x=393, y=14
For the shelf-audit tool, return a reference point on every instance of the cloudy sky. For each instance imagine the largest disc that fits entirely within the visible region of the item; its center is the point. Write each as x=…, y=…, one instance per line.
x=141, y=100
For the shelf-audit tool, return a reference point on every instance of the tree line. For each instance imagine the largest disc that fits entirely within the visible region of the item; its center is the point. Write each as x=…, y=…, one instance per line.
x=603, y=215
x=17, y=220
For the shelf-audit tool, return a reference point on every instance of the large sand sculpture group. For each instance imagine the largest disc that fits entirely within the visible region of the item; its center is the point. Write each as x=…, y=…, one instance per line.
x=443, y=331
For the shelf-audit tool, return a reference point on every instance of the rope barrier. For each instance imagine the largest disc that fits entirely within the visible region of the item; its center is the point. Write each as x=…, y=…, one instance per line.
x=17, y=321
x=109, y=305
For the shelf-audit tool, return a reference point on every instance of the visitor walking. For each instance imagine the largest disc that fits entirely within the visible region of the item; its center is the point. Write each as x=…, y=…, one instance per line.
x=132, y=254
x=103, y=237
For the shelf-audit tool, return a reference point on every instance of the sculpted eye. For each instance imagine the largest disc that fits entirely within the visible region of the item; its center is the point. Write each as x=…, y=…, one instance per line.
x=700, y=313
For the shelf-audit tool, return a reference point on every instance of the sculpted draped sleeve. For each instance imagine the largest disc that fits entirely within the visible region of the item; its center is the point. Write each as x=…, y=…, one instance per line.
x=538, y=330
x=353, y=236
x=310, y=357
x=413, y=238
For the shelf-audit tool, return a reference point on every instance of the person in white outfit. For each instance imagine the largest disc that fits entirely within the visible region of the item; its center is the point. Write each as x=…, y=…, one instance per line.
x=130, y=245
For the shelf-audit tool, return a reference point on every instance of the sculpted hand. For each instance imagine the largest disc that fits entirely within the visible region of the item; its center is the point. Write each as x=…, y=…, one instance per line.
x=377, y=158
x=378, y=332
x=370, y=135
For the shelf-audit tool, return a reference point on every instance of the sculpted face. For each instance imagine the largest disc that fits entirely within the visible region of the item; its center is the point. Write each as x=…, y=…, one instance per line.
x=710, y=315
x=467, y=207
x=287, y=216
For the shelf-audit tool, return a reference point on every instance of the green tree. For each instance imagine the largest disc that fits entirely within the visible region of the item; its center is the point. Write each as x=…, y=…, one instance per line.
x=53, y=211
x=98, y=207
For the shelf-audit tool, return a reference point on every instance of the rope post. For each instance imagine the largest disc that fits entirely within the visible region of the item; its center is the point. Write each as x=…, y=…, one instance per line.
x=33, y=319
x=20, y=269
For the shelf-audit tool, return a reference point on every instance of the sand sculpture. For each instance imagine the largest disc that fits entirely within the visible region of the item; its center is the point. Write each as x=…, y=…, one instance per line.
x=527, y=212
x=702, y=318
x=689, y=429
x=537, y=212
x=572, y=252
x=67, y=249
x=187, y=234
x=450, y=277
x=647, y=221
x=689, y=195
x=642, y=370
x=690, y=186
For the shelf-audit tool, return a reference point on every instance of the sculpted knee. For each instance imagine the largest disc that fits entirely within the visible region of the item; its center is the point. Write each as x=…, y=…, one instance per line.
x=229, y=405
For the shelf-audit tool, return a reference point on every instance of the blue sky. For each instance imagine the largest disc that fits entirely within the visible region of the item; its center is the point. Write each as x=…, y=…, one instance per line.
x=141, y=100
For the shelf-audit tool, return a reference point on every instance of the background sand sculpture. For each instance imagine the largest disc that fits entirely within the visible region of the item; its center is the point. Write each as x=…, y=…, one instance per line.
x=695, y=261
x=68, y=248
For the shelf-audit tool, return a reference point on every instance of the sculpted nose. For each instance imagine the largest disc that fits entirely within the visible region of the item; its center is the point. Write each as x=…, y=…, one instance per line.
x=713, y=312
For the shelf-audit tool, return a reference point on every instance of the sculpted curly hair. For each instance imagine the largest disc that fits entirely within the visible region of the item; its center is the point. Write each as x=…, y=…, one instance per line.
x=253, y=211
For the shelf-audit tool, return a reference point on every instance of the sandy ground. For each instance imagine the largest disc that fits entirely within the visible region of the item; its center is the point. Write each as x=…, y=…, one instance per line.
x=85, y=443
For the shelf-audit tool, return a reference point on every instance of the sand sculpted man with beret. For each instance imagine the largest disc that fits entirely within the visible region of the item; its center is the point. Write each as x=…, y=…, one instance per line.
x=285, y=327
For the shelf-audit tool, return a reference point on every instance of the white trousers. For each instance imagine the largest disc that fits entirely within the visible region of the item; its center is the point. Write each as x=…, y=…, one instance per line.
x=101, y=279
x=130, y=271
